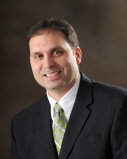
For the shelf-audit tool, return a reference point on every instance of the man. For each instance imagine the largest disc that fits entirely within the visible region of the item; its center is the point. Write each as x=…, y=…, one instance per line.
x=78, y=118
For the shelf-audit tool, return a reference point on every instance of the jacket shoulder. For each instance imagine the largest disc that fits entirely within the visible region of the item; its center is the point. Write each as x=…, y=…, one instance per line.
x=109, y=94
x=30, y=110
x=102, y=88
x=111, y=89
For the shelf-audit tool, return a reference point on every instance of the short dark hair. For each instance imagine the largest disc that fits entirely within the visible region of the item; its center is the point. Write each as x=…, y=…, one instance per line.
x=56, y=25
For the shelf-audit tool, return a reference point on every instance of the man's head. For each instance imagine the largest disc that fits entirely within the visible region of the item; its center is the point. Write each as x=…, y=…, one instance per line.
x=56, y=25
x=54, y=56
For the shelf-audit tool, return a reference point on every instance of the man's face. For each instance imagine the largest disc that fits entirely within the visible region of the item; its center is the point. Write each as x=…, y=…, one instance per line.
x=54, y=63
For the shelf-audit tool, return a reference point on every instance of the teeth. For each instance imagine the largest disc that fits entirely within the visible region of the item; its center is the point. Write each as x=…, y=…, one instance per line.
x=52, y=74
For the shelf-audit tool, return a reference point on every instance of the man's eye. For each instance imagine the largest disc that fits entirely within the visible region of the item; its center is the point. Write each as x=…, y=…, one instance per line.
x=57, y=52
x=38, y=56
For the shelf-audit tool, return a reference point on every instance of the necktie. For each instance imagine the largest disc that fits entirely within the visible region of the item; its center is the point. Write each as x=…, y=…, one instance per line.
x=60, y=125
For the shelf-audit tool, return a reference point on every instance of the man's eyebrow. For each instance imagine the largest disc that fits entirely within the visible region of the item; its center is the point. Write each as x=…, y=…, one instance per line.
x=49, y=51
x=37, y=52
x=55, y=48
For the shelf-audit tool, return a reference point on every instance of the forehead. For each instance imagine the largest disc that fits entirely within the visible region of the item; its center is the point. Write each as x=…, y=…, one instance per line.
x=47, y=39
x=49, y=33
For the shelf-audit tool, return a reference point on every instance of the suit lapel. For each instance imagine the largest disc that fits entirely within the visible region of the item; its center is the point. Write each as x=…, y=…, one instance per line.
x=79, y=116
x=44, y=125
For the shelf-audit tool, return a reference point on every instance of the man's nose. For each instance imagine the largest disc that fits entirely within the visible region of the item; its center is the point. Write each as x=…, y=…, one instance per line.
x=48, y=62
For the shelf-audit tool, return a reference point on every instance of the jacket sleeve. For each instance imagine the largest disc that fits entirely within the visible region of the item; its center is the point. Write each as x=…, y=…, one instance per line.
x=119, y=132
x=15, y=154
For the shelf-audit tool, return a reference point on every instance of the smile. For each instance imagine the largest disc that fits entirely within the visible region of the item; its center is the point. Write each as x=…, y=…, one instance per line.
x=52, y=74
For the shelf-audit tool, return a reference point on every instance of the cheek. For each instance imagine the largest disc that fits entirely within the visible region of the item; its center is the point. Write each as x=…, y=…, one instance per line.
x=35, y=67
x=69, y=66
x=71, y=61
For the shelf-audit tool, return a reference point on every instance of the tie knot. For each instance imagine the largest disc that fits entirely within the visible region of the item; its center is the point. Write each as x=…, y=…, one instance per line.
x=57, y=108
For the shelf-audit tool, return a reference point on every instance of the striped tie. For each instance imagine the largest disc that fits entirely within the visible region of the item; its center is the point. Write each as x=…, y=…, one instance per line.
x=60, y=125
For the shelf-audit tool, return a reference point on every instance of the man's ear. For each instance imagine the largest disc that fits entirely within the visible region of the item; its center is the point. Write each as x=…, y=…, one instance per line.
x=78, y=55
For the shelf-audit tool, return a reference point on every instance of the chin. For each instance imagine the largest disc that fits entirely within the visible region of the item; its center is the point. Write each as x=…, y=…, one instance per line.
x=54, y=87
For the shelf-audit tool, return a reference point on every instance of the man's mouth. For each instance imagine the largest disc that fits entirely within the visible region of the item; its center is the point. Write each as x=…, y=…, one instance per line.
x=52, y=74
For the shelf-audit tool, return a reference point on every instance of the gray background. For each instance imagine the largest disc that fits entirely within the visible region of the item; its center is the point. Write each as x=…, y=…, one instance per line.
x=102, y=30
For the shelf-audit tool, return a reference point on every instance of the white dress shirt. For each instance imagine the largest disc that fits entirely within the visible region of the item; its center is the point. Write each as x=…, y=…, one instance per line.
x=66, y=102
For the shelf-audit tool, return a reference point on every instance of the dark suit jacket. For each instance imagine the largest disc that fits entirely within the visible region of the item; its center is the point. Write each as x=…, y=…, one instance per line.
x=97, y=128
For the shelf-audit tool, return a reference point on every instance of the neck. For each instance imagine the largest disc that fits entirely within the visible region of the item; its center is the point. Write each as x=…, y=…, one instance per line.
x=57, y=94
